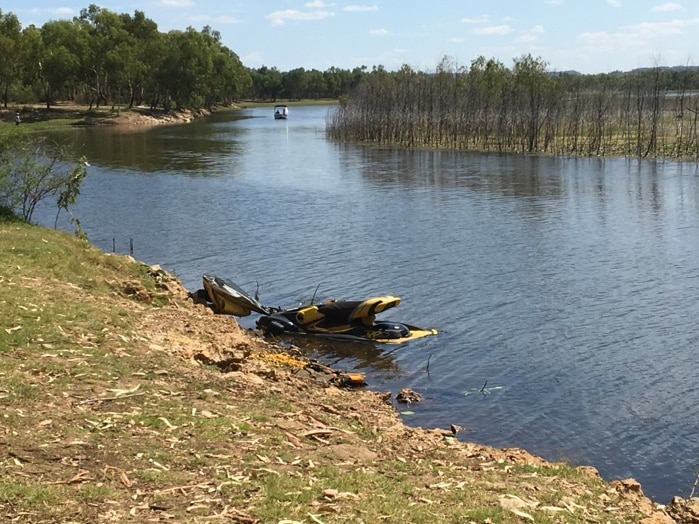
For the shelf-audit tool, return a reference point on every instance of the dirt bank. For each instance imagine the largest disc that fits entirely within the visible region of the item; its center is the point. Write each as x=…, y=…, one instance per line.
x=75, y=114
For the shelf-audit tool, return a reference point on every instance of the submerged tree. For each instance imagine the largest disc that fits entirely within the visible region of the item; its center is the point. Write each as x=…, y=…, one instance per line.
x=525, y=109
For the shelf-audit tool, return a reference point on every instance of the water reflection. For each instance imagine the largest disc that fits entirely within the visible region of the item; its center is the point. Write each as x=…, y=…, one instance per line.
x=506, y=174
x=350, y=355
x=198, y=149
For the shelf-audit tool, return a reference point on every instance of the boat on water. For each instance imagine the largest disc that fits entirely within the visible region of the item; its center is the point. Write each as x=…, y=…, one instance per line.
x=281, y=112
x=337, y=319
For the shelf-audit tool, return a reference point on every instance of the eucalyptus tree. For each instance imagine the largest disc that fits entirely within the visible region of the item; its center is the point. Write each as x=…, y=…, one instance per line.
x=184, y=67
x=59, y=51
x=227, y=78
x=316, y=86
x=295, y=83
x=10, y=53
x=141, y=55
x=234, y=76
x=333, y=80
x=266, y=83
x=32, y=53
x=110, y=51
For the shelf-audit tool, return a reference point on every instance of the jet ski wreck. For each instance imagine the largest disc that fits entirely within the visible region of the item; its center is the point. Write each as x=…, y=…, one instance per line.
x=341, y=319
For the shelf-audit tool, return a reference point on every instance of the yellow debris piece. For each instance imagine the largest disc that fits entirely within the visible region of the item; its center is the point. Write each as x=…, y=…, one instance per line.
x=282, y=358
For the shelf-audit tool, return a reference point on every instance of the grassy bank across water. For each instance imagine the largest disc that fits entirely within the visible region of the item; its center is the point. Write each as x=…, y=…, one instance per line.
x=123, y=400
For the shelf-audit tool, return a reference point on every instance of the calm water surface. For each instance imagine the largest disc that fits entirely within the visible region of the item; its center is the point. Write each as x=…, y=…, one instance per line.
x=568, y=288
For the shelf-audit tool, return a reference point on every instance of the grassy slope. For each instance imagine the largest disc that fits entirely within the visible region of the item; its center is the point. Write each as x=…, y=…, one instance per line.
x=113, y=408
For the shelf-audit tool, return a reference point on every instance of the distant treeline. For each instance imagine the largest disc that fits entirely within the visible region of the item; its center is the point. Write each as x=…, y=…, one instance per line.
x=651, y=112
x=103, y=58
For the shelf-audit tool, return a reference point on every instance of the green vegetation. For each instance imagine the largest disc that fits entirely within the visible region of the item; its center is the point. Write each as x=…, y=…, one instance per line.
x=103, y=420
x=526, y=109
x=102, y=58
x=31, y=171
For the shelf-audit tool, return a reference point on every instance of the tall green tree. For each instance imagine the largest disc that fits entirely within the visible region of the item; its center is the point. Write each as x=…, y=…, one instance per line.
x=10, y=53
x=60, y=49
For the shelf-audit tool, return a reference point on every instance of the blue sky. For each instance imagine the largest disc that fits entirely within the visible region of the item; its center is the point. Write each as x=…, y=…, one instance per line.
x=590, y=36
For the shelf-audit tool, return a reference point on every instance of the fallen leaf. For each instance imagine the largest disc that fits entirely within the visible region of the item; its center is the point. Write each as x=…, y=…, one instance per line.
x=515, y=505
x=197, y=506
x=124, y=479
x=295, y=442
x=167, y=423
x=522, y=514
x=339, y=495
x=316, y=432
x=121, y=392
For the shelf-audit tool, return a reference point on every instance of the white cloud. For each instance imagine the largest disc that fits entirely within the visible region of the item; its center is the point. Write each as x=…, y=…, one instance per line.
x=379, y=32
x=63, y=11
x=282, y=17
x=316, y=4
x=361, y=8
x=666, y=8
x=631, y=36
x=614, y=3
x=532, y=35
x=479, y=20
x=493, y=30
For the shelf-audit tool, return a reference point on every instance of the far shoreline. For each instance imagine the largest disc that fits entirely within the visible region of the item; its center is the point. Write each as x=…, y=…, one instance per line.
x=37, y=117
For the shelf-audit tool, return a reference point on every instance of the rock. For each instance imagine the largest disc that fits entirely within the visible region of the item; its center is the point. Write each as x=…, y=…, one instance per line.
x=628, y=487
x=588, y=471
x=408, y=396
x=685, y=511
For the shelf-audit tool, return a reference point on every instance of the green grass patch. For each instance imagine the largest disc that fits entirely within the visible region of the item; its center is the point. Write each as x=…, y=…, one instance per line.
x=26, y=495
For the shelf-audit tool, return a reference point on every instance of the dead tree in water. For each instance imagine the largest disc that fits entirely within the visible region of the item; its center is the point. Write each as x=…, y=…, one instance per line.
x=489, y=107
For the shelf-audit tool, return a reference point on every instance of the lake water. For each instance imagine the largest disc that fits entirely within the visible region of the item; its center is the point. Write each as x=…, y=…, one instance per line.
x=565, y=290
